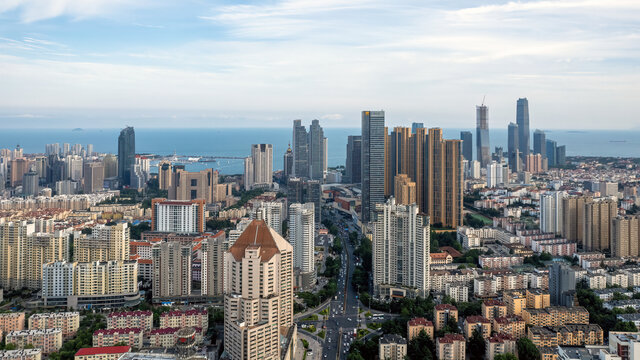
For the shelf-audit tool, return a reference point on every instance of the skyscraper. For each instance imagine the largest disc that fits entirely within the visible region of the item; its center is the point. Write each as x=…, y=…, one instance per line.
x=288, y=163
x=258, y=294
x=397, y=156
x=522, y=119
x=551, y=212
x=93, y=177
x=316, y=151
x=126, y=154
x=562, y=284
x=171, y=269
x=482, y=135
x=625, y=240
x=30, y=183
x=467, y=144
x=271, y=212
x=300, y=150
x=353, y=166
x=373, y=164
x=301, y=236
x=539, y=143
x=164, y=175
x=405, y=190
x=573, y=217
x=400, y=249
x=513, y=147
x=212, y=265
x=415, y=126
x=598, y=216
x=259, y=167
x=551, y=152
x=179, y=216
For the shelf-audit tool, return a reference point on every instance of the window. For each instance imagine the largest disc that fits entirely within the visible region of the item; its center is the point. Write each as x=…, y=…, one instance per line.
x=194, y=182
x=194, y=194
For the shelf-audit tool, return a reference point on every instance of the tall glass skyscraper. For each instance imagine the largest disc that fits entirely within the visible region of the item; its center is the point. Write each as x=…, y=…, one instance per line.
x=522, y=119
x=539, y=143
x=316, y=151
x=353, y=168
x=467, y=144
x=373, y=138
x=300, y=150
x=126, y=154
x=513, y=146
x=482, y=135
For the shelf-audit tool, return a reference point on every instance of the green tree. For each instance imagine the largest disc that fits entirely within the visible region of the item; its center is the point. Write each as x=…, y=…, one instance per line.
x=527, y=350
x=477, y=347
x=507, y=356
x=627, y=326
x=421, y=347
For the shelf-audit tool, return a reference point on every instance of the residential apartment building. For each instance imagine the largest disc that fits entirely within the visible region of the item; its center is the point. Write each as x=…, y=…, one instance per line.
x=171, y=269
x=598, y=216
x=515, y=301
x=442, y=314
x=625, y=236
x=22, y=354
x=272, y=212
x=213, y=248
x=416, y=325
x=556, y=316
x=185, y=318
x=48, y=340
x=110, y=337
x=130, y=319
x=493, y=308
x=67, y=322
x=179, y=216
x=168, y=337
x=477, y=323
x=102, y=353
x=451, y=347
x=513, y=325
x=302, y=238
x=392, y=347
x=500, y=344
x=12, y=321
x=105, y=243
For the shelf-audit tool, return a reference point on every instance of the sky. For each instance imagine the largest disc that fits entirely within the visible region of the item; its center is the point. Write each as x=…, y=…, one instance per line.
x=196, y=63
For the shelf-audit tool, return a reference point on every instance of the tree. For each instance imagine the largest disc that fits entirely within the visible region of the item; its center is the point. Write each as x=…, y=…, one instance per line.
x=527, y=350
x=627, y=326
x=477, y=347
x=421, y=347
x=507, y=356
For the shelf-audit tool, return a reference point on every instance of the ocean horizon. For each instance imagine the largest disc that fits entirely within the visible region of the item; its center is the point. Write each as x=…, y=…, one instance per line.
x=236, y=142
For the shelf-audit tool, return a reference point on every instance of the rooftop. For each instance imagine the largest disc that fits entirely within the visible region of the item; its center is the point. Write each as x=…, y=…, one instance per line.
x=103, y=350
x=258, y=233
x=420, y=322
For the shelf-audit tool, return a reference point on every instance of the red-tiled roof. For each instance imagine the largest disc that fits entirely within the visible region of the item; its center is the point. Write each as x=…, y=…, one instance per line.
x=420, y=321
x=445, y=307
x=117, y=331
x=450, y=338
x=186, y=312
x=103, y=350
x=130, y=313
x=500, y=338
x=494, y=302
x=453, y=252
x=477, y=319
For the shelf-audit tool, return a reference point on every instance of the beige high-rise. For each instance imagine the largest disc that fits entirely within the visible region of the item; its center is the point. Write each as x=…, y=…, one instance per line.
x=171, y=269
x=258, y=293
x=573, y=217
x=105, y=243
x=624, y=236
x=93, y=177
x=405, y=190
x=597, y=224
x=23, y=251
x=212, y=265
x=187, y=185
x=164, y=175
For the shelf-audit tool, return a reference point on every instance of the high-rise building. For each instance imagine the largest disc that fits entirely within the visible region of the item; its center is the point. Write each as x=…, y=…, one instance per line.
x=415, y=126
x=353, y=166
x=534, y=163
x=110, y=166
x=522, y=120
x=400, y=248
x=73, y=167
x=213, y=248
x=373, y=165
x=316, y=151
x=126, y=154
x=497, y=174
x=573, y=217
x=301, y=236
x=171, y=269
x=23, y=251
x=562, y=284
x=514, y=148
x=598, y=216
x=103, y=244
x=179, y=216
x=397, y=156
x=419, y=162
x=482, y=135
x=259, y=167
x=625, y=236
x=93, y=177
x=30, y=183
x=89, y=150
x=272, y=213
x=551, y=152
x=164, y=175
x=405, y=190
x=258, y=294
x=187, y=185
x=300, y=150
x=467, y=144
x=288, y=163
x=443, y=180
x=539, y=142
x=551, y=212
x=561, y=155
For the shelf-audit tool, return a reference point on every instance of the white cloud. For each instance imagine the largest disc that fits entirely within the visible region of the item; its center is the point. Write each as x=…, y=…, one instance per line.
x=35, y=10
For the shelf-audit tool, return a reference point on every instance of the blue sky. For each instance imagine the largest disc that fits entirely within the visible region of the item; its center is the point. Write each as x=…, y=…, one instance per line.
x=106, y=63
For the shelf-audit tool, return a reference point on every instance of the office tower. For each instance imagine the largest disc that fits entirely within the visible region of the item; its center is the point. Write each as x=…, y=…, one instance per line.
x=573, y=218
x=272, y=213
x=16, y=170
x=301, y=237
x=300, y=150
x=179, y=216
x=164, y=175
x=73, y=167
x=110, y=166
x=171, y=269
x=258, y=169
x=103, y=244
x=522, y=121
x=313, y=194
x=89, y=150
x=30, y=183
x=551, y=212
x=126, y=154
x=295, y=190
x=52, y=149
x=405, y=190
x=467, y=144
x=415, y=126
x=41, y=166
x=539, y=142
x=187, y=185
x=288, y=163
x=316, y=151
x=353, y=166
x=23, y=251
x=482, y=135
x=551, y=152
x=625, y=240
x=66, y=149
x=562, y=284
x=212, y=265
x=258, y=294
x=534, y=163
x=443, y=180
x=248, y=176
x=597, y=224
x=561, y=155
x=496, y=175
x=373, y=166
x=400, y=248
x=513, y=146
x=93, y=177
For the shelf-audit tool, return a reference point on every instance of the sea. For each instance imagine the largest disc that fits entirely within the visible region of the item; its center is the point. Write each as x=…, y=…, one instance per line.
x=236, y=142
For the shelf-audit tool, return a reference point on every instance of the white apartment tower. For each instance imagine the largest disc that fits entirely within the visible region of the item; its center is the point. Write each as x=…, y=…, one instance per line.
x=212, y=265
x=400, y=248
x=258, y=169
x=171, y=269
x=271, y=212
x=551, y=212
x=301, y=236
x=258, y=294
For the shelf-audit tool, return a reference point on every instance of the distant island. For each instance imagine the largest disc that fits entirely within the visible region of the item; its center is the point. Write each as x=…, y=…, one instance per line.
x=78, y=129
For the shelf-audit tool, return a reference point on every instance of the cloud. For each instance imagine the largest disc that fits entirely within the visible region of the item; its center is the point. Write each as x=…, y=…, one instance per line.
x=35, y=10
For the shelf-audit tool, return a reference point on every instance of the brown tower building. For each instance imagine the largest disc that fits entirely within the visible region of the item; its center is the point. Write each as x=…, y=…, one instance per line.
x=573, y=217
x=598, y=216
x=625, y=238
x=164, y=175
x=187, y=185
x=405, y=190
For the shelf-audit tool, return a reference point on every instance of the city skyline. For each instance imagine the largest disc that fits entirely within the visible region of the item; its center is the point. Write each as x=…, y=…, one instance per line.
x=177, y=57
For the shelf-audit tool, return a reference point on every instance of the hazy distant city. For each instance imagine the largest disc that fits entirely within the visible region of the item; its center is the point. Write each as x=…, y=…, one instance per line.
x=343, y=180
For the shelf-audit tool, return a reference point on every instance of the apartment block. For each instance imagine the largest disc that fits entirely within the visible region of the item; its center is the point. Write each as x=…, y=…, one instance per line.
x=105, y=243
x=13, y=321
x=538, y=299
x=513, y=325
x=392, y=347
x=451, y=347
x=493, y=308
x=479, y=323
x=67, y=322
x=168, y=337
x=556, y=316
x=102, y=353
x=22, y=354
x=185, y=318
x=500, y=344
x=171, y=269
x=130, y=319
x=566, y=335
x=444, y=312
x=49, y=340
x=515, y=301
x=416, y=325
x=500, y=262
x=110, y=337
